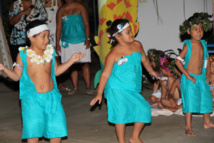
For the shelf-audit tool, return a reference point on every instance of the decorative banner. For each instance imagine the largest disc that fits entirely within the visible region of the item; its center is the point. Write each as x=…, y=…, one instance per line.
x=112, y=10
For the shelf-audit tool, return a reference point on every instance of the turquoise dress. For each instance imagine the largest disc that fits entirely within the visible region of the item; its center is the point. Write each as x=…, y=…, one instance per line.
x=122, y=91
x=196, y=98
x=73, y=30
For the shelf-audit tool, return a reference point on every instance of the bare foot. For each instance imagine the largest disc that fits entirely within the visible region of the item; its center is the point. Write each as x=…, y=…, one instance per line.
x=189, y=132
x=133, y=140
x=208, y=125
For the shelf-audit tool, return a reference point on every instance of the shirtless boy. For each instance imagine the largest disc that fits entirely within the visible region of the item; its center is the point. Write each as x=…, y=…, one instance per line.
x=35, y=68
x=195, y=90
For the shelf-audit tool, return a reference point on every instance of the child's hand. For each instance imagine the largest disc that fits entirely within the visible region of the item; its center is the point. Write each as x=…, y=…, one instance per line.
x=154, y=74
x=58, y=49
x=1, y=67
x=209, y=80
x=97, y=98
x=77, y=56
x=191, y=78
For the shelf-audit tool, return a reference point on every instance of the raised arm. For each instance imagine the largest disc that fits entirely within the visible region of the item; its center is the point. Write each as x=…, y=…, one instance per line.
x=15, y=18
x=16, y=73
x=103, y=79
x=61, y=68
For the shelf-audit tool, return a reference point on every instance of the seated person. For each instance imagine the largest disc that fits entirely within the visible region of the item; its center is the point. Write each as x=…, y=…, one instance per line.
x=212, y=77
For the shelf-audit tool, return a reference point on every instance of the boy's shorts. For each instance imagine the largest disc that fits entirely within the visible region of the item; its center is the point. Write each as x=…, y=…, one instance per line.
x=196, y=97
x=43, y=116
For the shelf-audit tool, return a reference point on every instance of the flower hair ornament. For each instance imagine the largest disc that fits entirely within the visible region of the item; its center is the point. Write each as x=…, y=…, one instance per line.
x=120, y=28
x=211, y=58
x=197, y=18
x=168, y=66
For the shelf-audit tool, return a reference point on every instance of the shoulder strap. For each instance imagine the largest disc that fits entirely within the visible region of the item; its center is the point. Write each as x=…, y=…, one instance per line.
x=188, y=54
x=204, y=44
x=23, y=58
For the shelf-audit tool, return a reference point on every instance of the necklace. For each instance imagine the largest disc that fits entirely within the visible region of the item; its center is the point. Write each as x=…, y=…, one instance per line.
x=30, y=16
x=47, y=56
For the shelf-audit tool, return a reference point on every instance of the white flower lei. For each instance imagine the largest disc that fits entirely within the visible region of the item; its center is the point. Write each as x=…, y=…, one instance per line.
x=37, y=58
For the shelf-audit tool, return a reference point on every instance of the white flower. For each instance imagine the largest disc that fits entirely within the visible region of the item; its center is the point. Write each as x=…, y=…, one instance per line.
x=47, y=56
x=65, y=18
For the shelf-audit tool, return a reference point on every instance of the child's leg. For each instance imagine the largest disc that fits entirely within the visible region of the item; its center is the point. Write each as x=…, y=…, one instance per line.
x=55, y=140
x=120, y=130
x=33, y=140
x=136, y=132
x=188, y=131
x=207, y=122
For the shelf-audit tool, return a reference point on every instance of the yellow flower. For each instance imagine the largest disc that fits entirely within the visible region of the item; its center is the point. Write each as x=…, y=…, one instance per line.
x=22, y=48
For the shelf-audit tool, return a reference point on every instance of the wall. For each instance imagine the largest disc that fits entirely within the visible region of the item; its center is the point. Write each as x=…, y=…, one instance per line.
x=165, y=35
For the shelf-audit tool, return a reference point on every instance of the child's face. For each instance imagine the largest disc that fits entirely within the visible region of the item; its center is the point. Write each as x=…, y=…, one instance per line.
x=126, y=35
x=212, y=68
x=41, y=40
x=196, y=32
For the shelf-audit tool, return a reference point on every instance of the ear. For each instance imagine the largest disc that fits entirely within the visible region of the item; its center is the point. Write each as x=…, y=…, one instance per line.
x=31, y=38
x=117, y=36
x=188, y=31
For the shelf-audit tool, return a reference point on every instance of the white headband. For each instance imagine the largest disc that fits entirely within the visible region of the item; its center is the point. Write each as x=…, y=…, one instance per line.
x=37, y=30
x=120, y=27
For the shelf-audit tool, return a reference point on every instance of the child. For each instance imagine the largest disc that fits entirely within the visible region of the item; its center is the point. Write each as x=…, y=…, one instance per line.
x=172, y=102
x=166, y=74
x=42, y=111
x=195, y=91
x=212, y=77
x=122, y=79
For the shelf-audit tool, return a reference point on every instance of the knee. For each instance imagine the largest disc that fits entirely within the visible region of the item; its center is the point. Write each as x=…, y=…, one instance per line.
x=153, y=99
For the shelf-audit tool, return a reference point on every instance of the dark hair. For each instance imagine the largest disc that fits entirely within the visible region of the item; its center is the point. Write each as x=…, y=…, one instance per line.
x=157, y=55
x=113, y=29
x=33, y=24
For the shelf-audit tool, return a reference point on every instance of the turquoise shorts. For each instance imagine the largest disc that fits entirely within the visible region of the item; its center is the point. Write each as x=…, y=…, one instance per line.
x=43, y=116
x=196, y=97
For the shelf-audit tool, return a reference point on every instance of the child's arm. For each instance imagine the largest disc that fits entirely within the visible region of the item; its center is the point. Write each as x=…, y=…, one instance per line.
x=208, y=74
x=59, y=69
x=146, y=63
x=103, y=79
x=14, y=74
x=181, y=67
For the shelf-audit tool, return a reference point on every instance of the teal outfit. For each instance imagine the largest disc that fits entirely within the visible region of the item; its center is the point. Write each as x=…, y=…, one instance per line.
x=196, y=98
x=42, y=113
x=122, y=91
x=73, y=30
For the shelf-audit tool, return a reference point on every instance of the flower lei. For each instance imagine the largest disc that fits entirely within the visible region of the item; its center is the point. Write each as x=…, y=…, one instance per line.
x=168, y=66
x=212, y=58
x=197, y=18
x=37, y=58
x=32, y=9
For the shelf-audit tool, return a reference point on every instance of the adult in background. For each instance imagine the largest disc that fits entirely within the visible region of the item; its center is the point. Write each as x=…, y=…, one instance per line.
x=51, y=7
x=72, y=36
x=20, y=14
